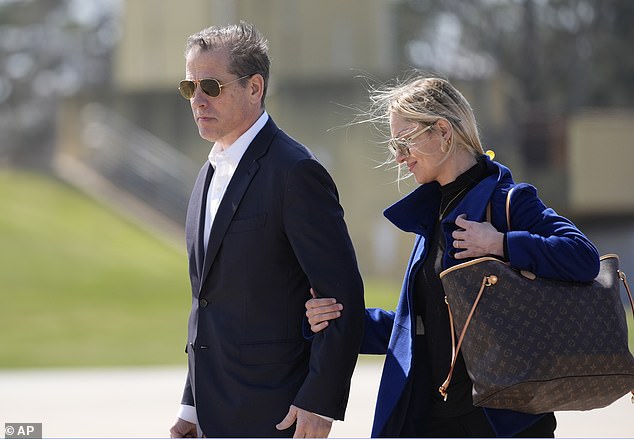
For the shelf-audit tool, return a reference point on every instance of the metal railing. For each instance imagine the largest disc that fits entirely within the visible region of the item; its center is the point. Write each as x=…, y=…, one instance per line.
x=136, y=161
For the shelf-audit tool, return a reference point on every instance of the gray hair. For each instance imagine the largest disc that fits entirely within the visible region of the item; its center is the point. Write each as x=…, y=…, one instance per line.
x=247, y=48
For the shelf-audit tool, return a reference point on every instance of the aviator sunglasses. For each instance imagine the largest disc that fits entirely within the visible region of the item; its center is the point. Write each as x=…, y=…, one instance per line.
x=212, y=87
x=401, y=145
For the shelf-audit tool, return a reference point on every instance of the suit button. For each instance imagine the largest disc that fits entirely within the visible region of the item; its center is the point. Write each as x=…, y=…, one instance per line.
x=203, y=303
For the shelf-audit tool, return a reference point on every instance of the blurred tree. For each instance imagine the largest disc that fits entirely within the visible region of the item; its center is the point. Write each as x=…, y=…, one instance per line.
x=50, y=49
x=557, y=55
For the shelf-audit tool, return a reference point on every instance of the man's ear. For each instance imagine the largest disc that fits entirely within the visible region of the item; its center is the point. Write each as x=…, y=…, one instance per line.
x=256, y=88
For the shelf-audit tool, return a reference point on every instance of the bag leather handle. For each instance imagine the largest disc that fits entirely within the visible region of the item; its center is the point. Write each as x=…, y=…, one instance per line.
x=508, y=208
x=487, y=281
x=623, y=278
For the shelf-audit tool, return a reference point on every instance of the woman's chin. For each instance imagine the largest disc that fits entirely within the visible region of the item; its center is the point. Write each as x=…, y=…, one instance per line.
x=420, y=179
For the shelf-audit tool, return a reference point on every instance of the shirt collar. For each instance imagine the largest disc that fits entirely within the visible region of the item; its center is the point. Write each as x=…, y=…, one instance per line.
x=234, y=152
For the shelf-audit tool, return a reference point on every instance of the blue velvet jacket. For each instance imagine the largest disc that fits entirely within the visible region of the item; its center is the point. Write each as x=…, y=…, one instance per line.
x=540, y=241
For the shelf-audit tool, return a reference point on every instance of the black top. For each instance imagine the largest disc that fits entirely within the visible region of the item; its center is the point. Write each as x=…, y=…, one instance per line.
x=429, y=300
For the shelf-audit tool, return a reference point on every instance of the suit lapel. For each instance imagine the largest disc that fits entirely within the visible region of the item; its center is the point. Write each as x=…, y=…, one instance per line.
x=194, y=227
x=246, y=170
x=199, y=246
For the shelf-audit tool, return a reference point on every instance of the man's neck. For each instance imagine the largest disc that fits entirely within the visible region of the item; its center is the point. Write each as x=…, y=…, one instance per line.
x=223, y=144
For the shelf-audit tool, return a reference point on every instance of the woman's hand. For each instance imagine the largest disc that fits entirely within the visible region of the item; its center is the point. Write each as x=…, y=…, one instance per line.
x=319, y=311
x=474, y=239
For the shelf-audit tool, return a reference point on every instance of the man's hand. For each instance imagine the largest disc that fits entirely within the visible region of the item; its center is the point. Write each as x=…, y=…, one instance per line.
x=183, y=428
x=308, y=424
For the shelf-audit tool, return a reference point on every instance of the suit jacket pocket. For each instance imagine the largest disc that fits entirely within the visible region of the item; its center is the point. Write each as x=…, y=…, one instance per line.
x=271, y=353
x=245, y=224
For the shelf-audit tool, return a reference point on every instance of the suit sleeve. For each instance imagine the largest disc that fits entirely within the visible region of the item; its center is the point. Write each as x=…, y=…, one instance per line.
x=188, y=396
x=546, y=243
x=314, y=224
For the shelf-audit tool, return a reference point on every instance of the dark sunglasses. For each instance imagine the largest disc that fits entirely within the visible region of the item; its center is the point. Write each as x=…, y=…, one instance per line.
x=212, y=87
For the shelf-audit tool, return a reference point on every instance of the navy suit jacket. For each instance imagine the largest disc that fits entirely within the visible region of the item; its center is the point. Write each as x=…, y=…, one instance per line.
x=540, y=241
x=279, y=231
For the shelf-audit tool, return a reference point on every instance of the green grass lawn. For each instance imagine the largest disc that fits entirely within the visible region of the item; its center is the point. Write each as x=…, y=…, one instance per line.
x=80, y=286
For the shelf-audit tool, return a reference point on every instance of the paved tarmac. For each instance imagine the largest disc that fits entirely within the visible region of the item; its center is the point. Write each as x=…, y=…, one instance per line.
x=142, y=403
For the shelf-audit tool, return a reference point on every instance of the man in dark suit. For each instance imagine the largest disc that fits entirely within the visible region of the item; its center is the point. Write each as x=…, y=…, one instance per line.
x=264, y=226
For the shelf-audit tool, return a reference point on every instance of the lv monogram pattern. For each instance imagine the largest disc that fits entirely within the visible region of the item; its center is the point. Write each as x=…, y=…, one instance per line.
x=542, y=345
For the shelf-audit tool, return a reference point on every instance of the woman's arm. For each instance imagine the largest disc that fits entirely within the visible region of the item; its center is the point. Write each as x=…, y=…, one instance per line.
x=539, y=240
x=378, y=323
x=378, y=329
x=547, y=244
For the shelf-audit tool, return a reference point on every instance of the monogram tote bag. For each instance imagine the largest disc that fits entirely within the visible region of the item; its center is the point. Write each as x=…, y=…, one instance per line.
x=539, y=345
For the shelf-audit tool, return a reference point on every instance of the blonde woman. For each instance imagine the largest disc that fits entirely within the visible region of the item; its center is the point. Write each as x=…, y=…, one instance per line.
x=434, y=134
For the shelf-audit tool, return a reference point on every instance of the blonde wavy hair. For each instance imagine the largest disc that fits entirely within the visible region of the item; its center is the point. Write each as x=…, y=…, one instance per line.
x=426, y=100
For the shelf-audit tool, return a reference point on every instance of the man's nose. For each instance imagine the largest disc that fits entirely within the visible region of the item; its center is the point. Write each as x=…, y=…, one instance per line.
x=199, y=99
